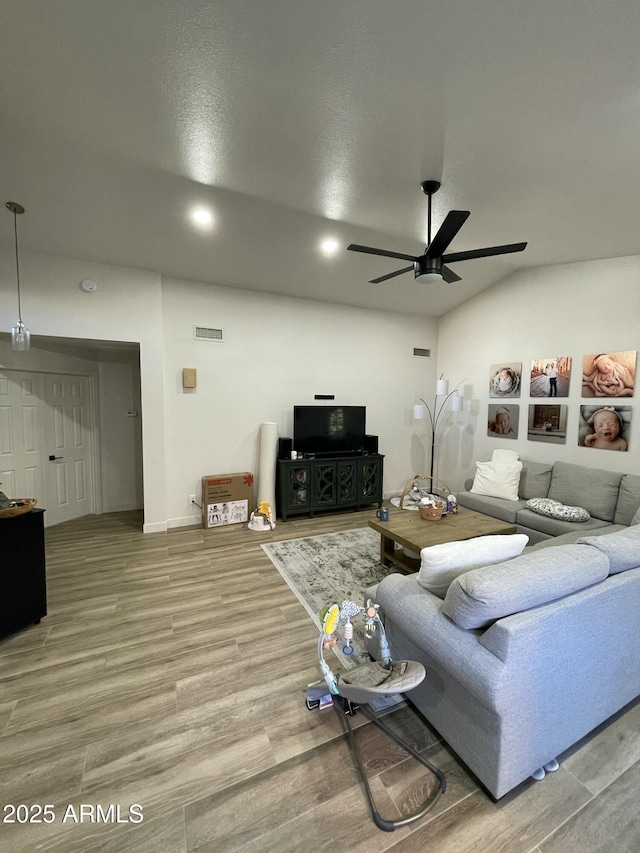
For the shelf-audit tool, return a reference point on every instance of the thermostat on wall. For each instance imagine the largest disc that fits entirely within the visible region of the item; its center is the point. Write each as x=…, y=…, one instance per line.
x=88, y=286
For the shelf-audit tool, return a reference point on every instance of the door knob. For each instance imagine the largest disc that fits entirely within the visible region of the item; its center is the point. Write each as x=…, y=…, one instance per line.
x=53, y=458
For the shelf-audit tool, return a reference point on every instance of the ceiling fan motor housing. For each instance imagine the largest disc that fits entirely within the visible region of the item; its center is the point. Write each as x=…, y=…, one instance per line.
x=425, y=268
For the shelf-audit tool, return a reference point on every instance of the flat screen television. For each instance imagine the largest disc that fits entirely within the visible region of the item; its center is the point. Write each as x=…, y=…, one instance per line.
x=328, y=429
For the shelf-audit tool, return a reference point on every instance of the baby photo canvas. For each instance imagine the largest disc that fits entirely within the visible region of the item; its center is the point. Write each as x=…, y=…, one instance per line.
x=504, y=379
x=609, y=374
x=605, y=427
x=503, y=420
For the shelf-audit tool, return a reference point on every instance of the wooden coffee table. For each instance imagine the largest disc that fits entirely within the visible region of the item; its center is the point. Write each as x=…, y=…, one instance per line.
x=414, y=533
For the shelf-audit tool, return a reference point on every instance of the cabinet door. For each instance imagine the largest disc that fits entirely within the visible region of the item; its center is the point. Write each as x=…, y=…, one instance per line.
x=347, y=482
x=24, y=585
x=295, y=492
x=324, y=484
x=370, y=479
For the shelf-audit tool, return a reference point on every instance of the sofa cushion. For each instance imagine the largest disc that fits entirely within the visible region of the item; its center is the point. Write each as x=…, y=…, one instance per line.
x=497, y=479
x=496, y=507
x=442, y=564
x=628, y=500
x=594, y=489
x=535, y=479
x=480, y=596
x=556, y=526
x=573, y=537
x=554, y=509
x=622, y=549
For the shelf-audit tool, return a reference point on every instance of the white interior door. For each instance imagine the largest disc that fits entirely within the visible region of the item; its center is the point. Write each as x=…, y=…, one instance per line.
x=68, y=428
x=23, y=471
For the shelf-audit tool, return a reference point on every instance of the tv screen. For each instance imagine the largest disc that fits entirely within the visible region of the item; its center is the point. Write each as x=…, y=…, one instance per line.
x=328, y=429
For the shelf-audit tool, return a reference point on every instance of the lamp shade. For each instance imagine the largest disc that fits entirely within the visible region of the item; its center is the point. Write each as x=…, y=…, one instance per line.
x=442, y=387
x=456, y=403
x=418, y=412
x=20, y=336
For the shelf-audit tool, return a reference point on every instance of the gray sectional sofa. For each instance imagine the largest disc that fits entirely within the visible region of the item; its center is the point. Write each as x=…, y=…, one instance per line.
x=523, y=657
x=611, y=498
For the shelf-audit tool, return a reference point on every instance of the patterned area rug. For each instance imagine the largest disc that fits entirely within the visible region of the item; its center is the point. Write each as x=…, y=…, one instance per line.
x=330, y=569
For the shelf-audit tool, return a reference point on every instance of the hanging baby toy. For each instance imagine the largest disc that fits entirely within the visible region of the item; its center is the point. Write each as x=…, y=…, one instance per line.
x=350, y=690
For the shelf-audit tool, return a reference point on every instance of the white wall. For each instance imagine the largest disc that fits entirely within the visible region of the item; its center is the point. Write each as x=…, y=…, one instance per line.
x=120, y=433
x=126, y=307
x=278, y=352
x=571, y=309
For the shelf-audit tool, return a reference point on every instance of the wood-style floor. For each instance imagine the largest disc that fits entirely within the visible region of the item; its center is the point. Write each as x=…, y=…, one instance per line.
x=171, y=672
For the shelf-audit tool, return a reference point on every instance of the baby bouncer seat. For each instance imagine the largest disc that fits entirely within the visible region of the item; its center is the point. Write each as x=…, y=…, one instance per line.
x=357, y=688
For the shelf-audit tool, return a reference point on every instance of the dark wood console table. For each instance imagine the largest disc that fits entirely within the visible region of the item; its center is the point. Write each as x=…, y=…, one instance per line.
x=309, y=486
x=22, y=571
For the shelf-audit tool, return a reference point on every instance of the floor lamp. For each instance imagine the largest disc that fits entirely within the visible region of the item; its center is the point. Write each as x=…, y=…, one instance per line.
x=422, y=409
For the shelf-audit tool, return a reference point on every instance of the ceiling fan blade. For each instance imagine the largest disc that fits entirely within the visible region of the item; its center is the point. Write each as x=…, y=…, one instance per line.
x=370, y=251
x=453, y=222
x=390, y=275
x=449, y=276
x=484, y=253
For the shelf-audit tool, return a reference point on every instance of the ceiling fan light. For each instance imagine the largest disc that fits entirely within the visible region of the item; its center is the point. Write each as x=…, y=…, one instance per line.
x=429, y=277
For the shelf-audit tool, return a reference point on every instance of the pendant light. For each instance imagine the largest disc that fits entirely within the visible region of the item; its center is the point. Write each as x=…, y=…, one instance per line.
x=20, y=335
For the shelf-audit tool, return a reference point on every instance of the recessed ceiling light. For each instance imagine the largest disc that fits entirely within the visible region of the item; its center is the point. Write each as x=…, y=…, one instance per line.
x=329, y=247
x=202, y=216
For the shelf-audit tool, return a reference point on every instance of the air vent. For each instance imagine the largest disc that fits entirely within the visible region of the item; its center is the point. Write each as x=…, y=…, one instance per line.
x=201, y=333
x=421, y=353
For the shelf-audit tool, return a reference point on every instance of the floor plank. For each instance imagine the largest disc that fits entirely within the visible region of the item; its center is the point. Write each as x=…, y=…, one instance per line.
x=171, y=672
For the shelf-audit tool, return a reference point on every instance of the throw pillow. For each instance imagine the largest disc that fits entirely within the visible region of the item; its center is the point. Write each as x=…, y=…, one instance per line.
x=479, y=597
x=621, y=548
x=636, y=517
x=441, y=564
x=500, y=455
x=535, y=479
x=555, y=509
x=628, y=499
x=497, y=479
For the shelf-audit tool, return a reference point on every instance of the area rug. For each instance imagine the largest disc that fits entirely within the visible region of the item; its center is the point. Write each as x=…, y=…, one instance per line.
x=329, y=569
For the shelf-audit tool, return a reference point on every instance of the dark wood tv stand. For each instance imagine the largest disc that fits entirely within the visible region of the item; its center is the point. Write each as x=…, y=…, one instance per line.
x=24, y=586
x=335, y=483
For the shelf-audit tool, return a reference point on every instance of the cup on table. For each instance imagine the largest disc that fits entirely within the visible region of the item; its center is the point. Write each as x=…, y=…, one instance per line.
x=383, y=514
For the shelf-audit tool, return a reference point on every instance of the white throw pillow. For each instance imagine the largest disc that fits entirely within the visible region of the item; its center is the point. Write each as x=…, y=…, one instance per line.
x=504, y=456
x=497, y=479
x=441, y=564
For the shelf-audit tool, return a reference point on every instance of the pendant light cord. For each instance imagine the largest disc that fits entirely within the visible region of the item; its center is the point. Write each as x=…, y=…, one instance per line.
x=15, y=229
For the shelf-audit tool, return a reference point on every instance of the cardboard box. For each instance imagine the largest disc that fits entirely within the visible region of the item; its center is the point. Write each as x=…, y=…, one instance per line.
x=226, y=499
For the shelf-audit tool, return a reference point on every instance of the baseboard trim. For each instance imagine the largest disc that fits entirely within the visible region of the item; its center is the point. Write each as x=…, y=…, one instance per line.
x=155, y=527
x=186, y=521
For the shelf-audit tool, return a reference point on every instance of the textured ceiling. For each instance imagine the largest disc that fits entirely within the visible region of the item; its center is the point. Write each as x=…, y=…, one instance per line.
x=295, y=121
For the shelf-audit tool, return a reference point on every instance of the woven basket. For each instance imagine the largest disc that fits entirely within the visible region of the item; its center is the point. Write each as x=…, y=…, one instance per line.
x=431, y=512
x=21, y=505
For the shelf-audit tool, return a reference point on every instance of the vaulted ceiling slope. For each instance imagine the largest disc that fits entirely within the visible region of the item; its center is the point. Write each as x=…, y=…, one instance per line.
x=296, y=121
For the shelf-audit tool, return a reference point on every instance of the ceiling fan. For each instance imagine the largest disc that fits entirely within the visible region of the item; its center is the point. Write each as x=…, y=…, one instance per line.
x=430, y=267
